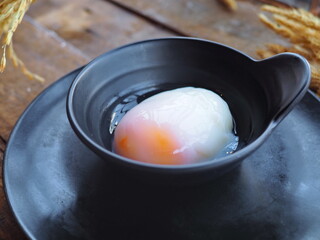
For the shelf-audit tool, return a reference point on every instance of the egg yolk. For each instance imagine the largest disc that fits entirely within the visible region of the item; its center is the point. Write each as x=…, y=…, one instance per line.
x=148, y=142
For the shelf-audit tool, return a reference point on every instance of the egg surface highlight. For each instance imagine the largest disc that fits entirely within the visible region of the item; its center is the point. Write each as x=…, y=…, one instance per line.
x=181, y=126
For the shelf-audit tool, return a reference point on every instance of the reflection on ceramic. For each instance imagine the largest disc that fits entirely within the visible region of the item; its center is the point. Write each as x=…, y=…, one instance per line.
x=259, y=94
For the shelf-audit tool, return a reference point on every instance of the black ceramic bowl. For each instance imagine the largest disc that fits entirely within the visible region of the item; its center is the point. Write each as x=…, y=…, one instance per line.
x=259, y=95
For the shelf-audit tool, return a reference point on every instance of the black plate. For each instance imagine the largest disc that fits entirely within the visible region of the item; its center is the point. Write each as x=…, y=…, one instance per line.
x=58, y=189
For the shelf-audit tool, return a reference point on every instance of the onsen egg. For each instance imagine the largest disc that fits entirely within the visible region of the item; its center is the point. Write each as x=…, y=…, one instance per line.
x=181, y=126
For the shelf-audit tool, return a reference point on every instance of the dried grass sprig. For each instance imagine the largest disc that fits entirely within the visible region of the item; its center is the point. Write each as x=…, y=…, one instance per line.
x=298, y=15
x=281, y=30
x=302, y=28
x=11, y=15
x=230, y=4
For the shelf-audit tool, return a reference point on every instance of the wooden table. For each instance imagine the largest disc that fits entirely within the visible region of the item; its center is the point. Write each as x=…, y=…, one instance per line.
x=58, y=36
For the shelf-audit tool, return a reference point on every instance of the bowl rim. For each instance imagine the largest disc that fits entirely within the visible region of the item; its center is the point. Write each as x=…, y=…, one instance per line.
x=238, y=155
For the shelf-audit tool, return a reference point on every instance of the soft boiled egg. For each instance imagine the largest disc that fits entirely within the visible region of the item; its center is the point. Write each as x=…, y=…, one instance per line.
x=181, y=126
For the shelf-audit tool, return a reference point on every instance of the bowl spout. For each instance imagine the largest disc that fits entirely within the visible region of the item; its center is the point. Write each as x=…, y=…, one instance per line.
x=285, y=79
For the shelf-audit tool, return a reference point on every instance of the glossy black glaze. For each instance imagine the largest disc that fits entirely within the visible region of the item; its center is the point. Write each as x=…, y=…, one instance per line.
x=58, y=189
x=259, y=94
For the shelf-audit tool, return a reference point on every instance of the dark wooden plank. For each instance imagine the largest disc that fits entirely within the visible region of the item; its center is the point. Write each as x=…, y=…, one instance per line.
x=208, y=19
x=94, y=26
x=44, y=53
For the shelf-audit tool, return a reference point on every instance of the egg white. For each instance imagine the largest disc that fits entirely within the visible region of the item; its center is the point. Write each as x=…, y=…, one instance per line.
x=197, y=119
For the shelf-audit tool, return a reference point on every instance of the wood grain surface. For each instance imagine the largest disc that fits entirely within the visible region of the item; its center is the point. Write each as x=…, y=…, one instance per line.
x=44, y=53
x=95, y=28
x=208, y=19
x=58, y=36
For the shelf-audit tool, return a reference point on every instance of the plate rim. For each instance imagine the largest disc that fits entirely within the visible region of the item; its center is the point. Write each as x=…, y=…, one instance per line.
x=14, y=130
x=11, y=136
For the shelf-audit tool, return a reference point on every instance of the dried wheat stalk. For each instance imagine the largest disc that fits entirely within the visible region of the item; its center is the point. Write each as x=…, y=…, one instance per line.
x=11, y=14
x=229, y=4
x=302, y=28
